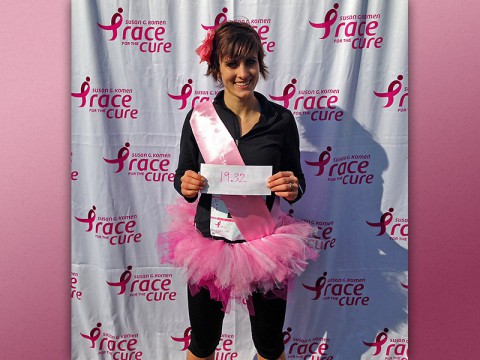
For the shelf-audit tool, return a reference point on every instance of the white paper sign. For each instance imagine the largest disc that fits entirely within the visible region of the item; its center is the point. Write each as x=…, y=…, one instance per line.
x=235, y=179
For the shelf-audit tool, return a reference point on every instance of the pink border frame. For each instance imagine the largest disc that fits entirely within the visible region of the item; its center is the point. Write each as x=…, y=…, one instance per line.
x=35, y=188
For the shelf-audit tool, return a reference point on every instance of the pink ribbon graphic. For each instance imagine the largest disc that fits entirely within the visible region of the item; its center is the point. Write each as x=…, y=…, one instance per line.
x=385, y=219
x=186, y=338
x=323, y=159
x=393, y=89
x=84, y=90
x=330, y=19
x=90, y=219
x=184, y=94
x=122, y=155
x=115, y=23
x=219, y=20
x=319, y=284
x=288, y=93
x=94, y=335
x=380, y=339
x=124, y=279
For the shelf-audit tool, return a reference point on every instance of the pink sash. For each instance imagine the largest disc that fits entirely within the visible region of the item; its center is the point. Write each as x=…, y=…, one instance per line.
x=217, y=146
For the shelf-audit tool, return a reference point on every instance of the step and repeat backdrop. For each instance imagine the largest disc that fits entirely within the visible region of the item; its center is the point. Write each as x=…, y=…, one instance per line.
x=341, y=67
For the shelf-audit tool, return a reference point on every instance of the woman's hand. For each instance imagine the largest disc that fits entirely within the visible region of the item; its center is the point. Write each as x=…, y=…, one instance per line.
x=192, y=183
x=284, y=184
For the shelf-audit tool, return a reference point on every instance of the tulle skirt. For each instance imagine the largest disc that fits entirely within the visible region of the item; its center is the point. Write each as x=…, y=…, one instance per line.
x=232, y=271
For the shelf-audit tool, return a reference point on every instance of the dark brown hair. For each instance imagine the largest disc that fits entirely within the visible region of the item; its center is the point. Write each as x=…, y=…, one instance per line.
x=235, y=40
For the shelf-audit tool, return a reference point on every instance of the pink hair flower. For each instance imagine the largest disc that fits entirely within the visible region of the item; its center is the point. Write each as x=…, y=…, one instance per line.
x=205, y=49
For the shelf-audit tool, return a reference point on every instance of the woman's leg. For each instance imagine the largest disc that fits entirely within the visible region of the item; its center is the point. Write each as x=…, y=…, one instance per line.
x=190, y=356
x=282, y=357
x=206, y=319
x=267, y=326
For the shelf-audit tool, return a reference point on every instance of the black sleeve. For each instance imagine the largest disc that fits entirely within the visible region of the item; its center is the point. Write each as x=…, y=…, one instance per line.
x=189, y=156
x=291, y=155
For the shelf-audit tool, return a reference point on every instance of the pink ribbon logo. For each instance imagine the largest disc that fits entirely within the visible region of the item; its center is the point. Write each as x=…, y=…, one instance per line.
x=379, y=341
x=385, y=219
x=122, y=155
x=393, y=89
x=184, y=94
x=90, y=219
x=323, y=160
x=288, y=93
x=219, y=19
x=94, y=335
x=124, y=279
x=115, y=23
x=84, y=90
x=319, y=284
x=287, y=335
x=330, y=18
x=185, y=339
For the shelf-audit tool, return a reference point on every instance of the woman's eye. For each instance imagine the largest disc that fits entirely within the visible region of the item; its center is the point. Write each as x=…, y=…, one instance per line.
x=232, y=64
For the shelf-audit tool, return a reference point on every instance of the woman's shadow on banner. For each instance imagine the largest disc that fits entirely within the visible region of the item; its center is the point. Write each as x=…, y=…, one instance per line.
x=355, y=295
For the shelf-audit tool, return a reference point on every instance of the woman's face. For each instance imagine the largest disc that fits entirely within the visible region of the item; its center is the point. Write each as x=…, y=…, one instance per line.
x=240, y=76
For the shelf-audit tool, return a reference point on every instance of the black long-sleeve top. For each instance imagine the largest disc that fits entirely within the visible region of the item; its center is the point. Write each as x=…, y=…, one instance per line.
x=272, y=141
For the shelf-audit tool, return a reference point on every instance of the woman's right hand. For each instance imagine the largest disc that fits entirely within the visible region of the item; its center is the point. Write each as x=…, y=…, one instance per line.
x=192, y=183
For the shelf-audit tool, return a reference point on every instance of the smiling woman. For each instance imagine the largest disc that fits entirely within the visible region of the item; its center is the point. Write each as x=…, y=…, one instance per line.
x=256, y=253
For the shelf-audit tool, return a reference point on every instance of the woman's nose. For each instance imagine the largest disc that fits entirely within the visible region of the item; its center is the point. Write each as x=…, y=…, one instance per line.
x=242, y=70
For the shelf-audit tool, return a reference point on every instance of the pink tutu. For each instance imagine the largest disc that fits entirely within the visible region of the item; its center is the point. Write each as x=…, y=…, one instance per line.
x=233, y=271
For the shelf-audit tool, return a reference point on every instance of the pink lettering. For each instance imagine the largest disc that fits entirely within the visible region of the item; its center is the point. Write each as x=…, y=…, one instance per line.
x=353, y=28
x=138, y=33
x=125, y=239
x=148, y=285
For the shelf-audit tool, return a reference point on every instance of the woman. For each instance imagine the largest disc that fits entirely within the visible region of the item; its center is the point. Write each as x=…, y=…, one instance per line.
x=221, y=265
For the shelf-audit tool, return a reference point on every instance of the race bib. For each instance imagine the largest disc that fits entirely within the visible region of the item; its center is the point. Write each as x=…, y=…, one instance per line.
x=221, y=223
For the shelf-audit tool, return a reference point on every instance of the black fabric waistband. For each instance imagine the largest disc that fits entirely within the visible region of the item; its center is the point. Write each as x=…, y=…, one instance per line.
x=228, y=241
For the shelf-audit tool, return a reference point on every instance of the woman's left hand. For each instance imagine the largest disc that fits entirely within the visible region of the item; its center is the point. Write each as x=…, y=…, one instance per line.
x=284, y=184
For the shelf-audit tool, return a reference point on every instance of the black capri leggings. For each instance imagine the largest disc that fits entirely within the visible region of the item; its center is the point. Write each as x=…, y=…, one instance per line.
x=206, y=319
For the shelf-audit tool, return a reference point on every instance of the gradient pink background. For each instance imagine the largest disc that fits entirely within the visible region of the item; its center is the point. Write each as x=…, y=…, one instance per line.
x=35, y=186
